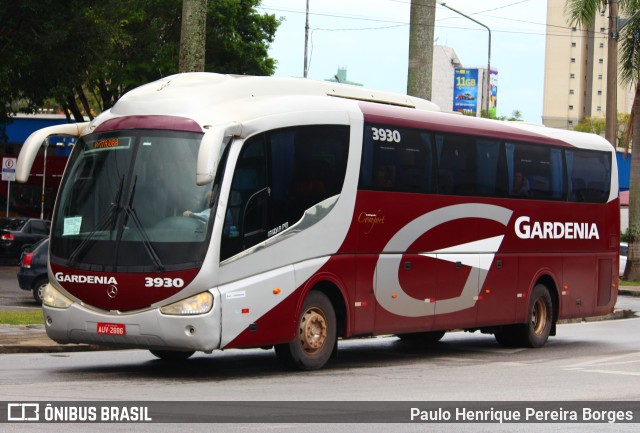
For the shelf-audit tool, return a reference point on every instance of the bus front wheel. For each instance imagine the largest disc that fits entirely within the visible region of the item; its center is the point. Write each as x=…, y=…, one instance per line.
x=316, y=335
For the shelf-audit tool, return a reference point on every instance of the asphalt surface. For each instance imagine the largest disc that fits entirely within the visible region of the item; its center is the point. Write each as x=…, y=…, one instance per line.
x=33, y=338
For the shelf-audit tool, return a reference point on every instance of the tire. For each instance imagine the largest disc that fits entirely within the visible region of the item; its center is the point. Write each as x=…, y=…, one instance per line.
x=317, y=335
x=540, y=318
x=422, y=338
x=172, y=355
x=535, y=332
x=38, y=290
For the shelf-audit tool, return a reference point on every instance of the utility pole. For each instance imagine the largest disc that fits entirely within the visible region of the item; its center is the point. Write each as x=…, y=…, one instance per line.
x=421, y=31
x=611, y=115
x=306, y=43
x=193, y=35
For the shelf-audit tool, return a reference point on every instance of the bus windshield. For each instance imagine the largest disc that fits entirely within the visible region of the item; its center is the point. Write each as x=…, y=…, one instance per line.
x=123, y=203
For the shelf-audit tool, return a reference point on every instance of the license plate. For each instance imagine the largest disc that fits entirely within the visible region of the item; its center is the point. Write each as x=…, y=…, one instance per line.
x=111, y=329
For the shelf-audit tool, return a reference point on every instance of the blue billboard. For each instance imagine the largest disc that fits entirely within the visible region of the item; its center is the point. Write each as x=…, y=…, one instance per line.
x=465, y=91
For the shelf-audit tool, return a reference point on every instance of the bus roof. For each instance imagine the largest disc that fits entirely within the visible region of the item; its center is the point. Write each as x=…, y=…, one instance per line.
x=200, y=91
x=209, y=97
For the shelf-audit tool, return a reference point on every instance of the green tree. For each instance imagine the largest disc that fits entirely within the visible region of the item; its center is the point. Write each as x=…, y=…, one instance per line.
x=595, y=125
x=583, y=13
x=516, y=116
x=38, y=41
x=85, y=54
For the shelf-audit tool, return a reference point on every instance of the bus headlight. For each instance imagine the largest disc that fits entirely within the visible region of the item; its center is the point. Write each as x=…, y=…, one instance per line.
x=198, y=304
x=53, y=298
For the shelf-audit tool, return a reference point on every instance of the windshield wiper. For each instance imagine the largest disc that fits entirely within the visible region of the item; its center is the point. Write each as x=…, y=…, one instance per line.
x=107, y=218
x=148, y=246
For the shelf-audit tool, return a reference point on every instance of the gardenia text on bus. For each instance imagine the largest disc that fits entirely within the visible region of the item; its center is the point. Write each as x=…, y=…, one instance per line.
x=554, y=229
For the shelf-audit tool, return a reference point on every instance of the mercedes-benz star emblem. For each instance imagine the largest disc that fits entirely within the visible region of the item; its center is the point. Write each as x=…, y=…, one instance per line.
x=112, y=291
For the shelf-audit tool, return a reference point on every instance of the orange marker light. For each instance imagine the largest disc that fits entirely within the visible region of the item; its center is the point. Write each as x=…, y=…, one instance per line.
x=394, y=296
x=276, y=291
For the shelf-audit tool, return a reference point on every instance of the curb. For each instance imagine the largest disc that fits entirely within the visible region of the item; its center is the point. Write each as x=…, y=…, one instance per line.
x=629, y=292
x=616, y=315
x=50, y=348
x=34, y=339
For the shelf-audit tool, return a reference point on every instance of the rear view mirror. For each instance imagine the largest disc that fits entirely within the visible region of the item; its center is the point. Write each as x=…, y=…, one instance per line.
x=211, y=147
x=34, y=142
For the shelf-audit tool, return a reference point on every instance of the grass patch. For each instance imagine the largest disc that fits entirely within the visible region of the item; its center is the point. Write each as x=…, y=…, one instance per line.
x=629, y=283
x=33, y=317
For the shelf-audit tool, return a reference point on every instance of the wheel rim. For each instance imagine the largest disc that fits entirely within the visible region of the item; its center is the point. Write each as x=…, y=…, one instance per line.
x=539, y=316
x=313, y=330
x=41, y=290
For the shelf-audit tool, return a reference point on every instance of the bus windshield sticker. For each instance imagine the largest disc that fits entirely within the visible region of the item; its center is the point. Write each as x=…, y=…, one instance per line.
x=72, y=225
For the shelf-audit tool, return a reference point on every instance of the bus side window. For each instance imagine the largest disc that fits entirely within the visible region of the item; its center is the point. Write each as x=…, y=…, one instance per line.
x=535, y=171
x=279, y=175
x=589, y=174
x=457, y=164
x=242, y=219
x=487, y=173
x=308, y=165
x=402, y=160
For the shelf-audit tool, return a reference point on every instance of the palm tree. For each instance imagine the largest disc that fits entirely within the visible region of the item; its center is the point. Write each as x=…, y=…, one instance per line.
x=583, y=13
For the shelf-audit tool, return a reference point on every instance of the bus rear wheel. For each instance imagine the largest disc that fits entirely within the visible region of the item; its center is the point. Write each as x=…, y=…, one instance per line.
x=316, y=337
x=539, y=322
x=172, y=355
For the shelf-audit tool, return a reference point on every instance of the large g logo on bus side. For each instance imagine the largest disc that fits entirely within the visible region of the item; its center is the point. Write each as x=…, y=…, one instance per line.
x=479, y=255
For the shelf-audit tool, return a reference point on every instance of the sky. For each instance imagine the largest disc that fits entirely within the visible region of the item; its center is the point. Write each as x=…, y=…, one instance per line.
x=371, y=39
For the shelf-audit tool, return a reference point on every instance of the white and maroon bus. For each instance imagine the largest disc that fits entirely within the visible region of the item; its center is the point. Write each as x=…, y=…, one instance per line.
x=207, y=212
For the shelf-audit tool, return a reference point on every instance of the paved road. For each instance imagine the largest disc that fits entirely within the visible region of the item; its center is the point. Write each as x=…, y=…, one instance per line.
x=585, y=362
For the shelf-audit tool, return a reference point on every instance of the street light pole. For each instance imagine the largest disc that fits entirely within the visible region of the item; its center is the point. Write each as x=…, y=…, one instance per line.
x=488, y=74
x=306, y=43
x=611, y=114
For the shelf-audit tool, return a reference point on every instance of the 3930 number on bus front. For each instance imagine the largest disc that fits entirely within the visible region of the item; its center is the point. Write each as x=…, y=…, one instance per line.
x=163, y=282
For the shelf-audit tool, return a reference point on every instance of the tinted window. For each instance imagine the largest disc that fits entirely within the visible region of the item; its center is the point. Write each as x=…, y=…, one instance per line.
x=38, y=227
x=279, y=175
x=457, y=167
x=589, y=173
x=535, y=171
x=411, y=160
x=397, y=159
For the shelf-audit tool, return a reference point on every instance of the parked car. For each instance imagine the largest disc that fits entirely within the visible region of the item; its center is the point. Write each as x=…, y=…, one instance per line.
x=624, y=247
x=17, y=234
x=32, y=274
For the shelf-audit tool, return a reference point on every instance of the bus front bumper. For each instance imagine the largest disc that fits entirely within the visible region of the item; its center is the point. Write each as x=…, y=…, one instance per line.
x=143, y=330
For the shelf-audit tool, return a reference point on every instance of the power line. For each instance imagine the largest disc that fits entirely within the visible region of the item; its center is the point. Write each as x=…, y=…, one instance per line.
x=395, y=23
